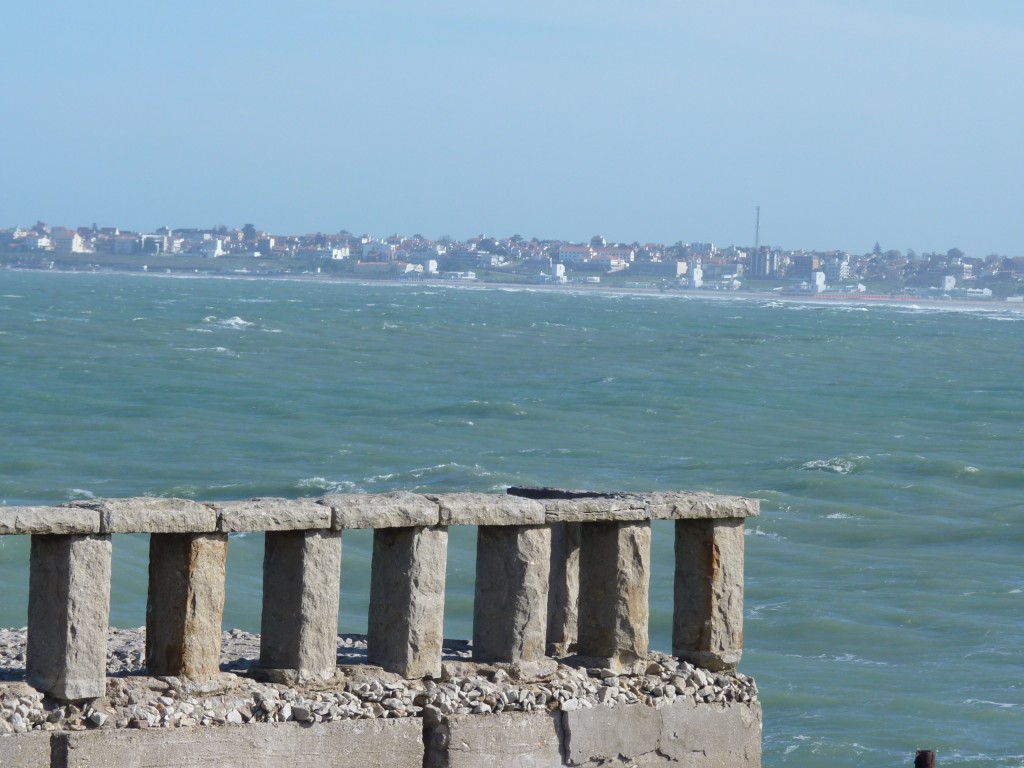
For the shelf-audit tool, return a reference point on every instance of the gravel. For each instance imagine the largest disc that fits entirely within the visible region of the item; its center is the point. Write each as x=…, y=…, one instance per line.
x=245, y=693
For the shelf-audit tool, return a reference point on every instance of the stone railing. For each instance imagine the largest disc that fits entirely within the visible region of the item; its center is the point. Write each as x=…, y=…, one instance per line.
x=557, y=572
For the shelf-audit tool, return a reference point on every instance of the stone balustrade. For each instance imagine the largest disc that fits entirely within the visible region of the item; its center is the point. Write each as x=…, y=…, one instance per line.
x=557, y=573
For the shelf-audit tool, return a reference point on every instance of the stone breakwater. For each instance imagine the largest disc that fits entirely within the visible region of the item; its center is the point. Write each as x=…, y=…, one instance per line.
x=558, y=672
x=245, y=693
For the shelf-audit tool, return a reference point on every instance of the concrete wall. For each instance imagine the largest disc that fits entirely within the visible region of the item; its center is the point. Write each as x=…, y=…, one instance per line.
x=686, y=734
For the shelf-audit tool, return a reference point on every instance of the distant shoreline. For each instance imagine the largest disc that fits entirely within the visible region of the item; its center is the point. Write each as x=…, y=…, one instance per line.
x=1000, y=305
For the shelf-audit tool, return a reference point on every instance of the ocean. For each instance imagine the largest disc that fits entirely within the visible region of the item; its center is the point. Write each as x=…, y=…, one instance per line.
x=884, y=579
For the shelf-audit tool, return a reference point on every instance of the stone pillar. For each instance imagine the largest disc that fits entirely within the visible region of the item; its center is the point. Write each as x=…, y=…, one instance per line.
x=707, y=624
x=615, y=566
x=68, y=614
x=510, y=606
x=406, y=621
x=564, y=588
x=301, y=584
x=185, y=605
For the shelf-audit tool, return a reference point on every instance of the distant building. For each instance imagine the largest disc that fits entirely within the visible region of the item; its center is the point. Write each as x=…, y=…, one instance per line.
x=212, y=248
x=670, y=269
x=569, y=254
x=696, y=279
x=125, y=244
x=375, y=250
x=803, y=266
x=154, y=243
x=837, y=268
x=763, y=263
x=67, y=241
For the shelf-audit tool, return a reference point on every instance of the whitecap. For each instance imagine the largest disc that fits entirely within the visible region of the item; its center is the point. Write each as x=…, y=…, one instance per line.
x=234, y=323
x=220, y=350
x=79, y=493
x=314, y=483
x=1000, y=704
x=766, y=534
x=841, y=516
x=840, y=465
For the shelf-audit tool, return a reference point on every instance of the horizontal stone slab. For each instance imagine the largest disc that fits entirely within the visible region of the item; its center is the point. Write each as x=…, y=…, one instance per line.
x=508, y=740
x=271, y=514
x=521, y=506
x=396, y=743
x=566, y=506
x=569, y=506
x=53, y=520
x=684, y=732
x=708, y=736
x=25, y=749
x=151, y=515
x=399, y=509
x=487, y=509
x=691, y=506
x=596, y=510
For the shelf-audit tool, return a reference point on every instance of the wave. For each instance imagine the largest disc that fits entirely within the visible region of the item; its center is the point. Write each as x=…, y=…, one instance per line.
x=218, y=350
x=846, y=658
x=999, y=704
x=476, y=409
x=750, y=531
x=323, y=485
x=233, y=323
x=840, y=465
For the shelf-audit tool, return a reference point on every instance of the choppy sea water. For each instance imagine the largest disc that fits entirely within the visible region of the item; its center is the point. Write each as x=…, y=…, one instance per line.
x=885, y=585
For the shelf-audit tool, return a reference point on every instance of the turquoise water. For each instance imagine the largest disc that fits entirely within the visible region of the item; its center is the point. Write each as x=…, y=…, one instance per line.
x=885, y=587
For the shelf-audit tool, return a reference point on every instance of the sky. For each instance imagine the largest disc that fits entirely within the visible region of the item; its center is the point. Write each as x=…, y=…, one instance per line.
x=848, y=122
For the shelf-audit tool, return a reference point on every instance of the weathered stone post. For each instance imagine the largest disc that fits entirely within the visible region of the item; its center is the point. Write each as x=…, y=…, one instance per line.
x=185, y=605
x=301, y=582
x=68, y=598
x=406, y=621
x=707, y=625
x=601, y=601
x=68, y=614
x=185, y=602
x=510, y=605
x=615, y=566
x=564, y=588
x=513, y=561
x=407, y=576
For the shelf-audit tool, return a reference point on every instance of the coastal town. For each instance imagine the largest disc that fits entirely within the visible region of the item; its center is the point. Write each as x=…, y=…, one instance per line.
x=516, y=259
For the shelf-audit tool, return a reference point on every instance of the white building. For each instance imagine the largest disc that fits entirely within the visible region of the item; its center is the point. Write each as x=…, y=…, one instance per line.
x=212, y=248
x=67, y=241
x=696, y=279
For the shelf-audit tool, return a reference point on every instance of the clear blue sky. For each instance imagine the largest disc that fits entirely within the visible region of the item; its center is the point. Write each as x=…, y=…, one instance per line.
x=847, y=121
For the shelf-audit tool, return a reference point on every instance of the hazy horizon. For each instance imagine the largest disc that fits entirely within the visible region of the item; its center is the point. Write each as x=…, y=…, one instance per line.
x=847, y=122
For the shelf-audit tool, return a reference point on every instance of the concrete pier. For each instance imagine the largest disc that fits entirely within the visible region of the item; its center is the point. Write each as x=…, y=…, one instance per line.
x=557, y=573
